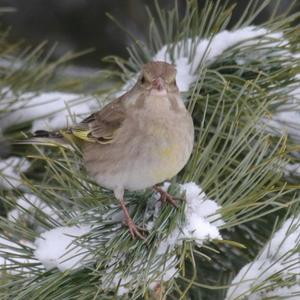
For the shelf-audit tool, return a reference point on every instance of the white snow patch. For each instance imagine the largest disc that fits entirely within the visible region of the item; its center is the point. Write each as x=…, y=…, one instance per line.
x=201, y=220
x=284, y=123
x=48, y=110
x=206, y=51
x=286, y=118
x=292, y=170
x=201, y=224
x=198, y=203
x=279, y=257
x=10, y=170
x=57, y=248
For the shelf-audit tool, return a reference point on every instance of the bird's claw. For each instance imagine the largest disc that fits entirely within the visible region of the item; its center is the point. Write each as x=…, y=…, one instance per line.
x=134, y=230
x=165, y=196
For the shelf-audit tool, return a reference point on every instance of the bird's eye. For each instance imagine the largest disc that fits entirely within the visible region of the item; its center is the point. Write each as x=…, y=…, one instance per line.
x=143, y=80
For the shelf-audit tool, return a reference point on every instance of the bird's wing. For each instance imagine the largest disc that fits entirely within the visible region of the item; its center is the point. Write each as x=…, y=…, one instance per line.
x=101, y=126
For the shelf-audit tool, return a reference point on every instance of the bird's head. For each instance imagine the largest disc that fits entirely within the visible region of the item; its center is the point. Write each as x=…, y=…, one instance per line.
x=159, y=78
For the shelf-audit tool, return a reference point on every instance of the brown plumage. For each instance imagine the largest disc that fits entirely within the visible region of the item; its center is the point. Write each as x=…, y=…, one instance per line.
x=140, y=139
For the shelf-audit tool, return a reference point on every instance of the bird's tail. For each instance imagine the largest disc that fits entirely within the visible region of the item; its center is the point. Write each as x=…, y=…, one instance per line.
x=47, y=134
x=48, y=138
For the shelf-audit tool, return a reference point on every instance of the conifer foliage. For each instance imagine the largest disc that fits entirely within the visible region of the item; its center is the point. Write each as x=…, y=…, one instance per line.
x=235, y=233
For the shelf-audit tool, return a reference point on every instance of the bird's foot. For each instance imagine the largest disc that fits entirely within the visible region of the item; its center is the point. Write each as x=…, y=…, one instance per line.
x=165, y=196
x=134, y=230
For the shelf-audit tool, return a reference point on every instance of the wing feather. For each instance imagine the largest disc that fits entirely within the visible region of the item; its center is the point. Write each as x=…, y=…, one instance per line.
x=101, y=126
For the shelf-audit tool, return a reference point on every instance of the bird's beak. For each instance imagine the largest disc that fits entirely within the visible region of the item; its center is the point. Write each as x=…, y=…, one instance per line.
x=158, y=84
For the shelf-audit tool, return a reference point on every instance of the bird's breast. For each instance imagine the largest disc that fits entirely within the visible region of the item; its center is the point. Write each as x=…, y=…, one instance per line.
x=153, y=145
x=170, y=140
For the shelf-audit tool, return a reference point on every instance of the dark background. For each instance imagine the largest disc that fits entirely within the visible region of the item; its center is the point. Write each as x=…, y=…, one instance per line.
x=80, y=24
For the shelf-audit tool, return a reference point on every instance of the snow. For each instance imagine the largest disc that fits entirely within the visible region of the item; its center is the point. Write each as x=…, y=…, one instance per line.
x=285, y=120
x=57, y=248
x=199, y=204
x=284, y=123
x=48, y=110
x=201, y=220
x=206, y=51
x=279, y=256
x=10, y=170
x=292, y=170
x=201, y=224
x=283, y=241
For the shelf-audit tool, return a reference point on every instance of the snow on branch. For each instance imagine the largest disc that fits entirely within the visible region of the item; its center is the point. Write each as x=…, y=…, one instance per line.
x=63, y=248
x=57, y=248
x=275, y=271
x=292, y=170
x=201, y=219
x=189, y=53
x=47, y=110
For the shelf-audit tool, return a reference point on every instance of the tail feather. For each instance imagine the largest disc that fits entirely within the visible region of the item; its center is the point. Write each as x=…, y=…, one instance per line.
x=49, y=134
x=46, y=138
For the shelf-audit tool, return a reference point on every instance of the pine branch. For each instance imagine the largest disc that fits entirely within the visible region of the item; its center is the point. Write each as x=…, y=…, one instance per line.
x=232, y=90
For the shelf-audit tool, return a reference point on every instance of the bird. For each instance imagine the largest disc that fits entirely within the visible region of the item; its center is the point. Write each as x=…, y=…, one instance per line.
x=138, y=140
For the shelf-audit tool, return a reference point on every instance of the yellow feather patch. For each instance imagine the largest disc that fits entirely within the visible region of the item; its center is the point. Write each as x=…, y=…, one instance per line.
x=168, y=152
x=83, y=135
x=169, y=163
